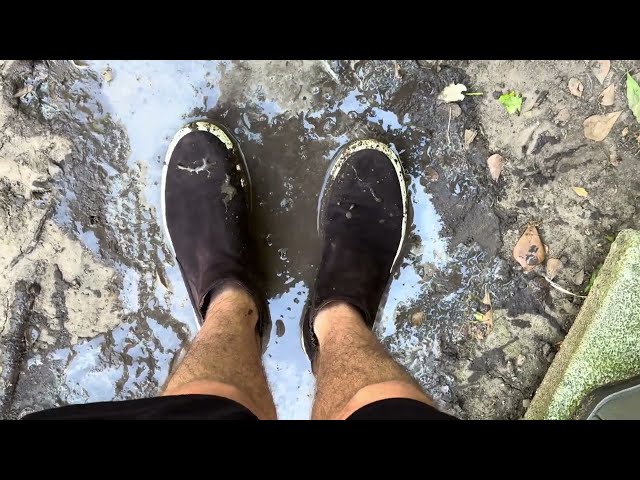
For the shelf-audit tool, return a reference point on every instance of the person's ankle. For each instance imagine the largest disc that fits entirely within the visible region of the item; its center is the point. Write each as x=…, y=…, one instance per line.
x=334, y=316
x=234, y=297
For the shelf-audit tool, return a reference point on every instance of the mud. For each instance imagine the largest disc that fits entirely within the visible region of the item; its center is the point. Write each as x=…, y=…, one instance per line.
x=93, y=307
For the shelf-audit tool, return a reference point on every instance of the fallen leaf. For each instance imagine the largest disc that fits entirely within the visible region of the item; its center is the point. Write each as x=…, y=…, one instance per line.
x=554, y=265
x=23, y=91
x=601, y=69
x=633, y=96
x=625, y=131
x=495, y=163
x=529, y=251
x=107, y=75
x=581, y=192
x=487, y=298
x=576, y=87
x=417, y=319
x=597, y=127
x=453, y=93
x=578, y=278
x=608, y=96
x=512, y=101
x=469, y=137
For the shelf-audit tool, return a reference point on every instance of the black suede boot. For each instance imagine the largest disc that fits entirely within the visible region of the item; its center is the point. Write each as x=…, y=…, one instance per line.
x=362, y=219
x=206, y=202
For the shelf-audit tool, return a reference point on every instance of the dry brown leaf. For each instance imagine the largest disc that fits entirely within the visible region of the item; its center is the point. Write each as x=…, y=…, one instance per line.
x=529, y=251
x=608, y=96
x=23, y=91
x=495, y=163
x=417, y=319
x=581, y=192
x=469, y=137
x=578, y=278
x=601, y=69
x=107, y=74
x=575, y=87
x=554, y=265
x=597, y=127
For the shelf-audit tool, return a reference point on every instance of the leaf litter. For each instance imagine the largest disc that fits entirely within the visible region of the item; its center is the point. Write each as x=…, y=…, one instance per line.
x=576, y=87
x=511, y=101
x=554, y=265
x=608, y=96
x=581, y=192
x=529, y=251
x=601, y=69
x=597, y=127
x=633, y=96
x=469, y=137
x=453, y=93
x=495, y=163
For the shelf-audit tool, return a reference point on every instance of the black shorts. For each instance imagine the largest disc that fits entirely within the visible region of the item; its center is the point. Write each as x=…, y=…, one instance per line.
x=211, y=407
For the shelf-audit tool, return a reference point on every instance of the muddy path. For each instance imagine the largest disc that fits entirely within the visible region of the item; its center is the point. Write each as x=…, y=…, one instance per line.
x=93, y=305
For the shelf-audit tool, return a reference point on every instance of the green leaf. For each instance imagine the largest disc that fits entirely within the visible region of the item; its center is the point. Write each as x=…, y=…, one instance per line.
x=633, y=96
x=478, y=317
x=512, y=101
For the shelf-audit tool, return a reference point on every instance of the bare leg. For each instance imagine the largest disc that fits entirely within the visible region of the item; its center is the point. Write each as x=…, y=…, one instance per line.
x=225, y=357
x=352, y=368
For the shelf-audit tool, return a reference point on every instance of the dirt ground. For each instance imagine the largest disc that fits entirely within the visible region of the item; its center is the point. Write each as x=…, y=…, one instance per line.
x=91, y=304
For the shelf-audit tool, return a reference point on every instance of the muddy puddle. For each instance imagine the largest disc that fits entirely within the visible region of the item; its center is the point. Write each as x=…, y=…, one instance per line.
x=290, y=120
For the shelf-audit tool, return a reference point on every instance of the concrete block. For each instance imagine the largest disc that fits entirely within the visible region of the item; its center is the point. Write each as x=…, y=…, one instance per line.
x=603, y=345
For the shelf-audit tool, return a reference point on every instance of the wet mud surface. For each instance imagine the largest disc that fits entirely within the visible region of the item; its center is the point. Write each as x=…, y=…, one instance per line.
x=93, y=307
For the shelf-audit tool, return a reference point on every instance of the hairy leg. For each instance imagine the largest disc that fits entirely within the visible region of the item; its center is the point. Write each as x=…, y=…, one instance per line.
x=352, y=367
x=225, y=357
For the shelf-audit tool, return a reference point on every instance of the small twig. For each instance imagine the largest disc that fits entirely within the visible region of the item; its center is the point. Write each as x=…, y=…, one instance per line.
x=563, y=290
x=449, y=127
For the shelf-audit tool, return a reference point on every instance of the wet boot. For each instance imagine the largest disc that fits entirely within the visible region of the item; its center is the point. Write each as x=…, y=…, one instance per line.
x=362, y=220
x=206, y=201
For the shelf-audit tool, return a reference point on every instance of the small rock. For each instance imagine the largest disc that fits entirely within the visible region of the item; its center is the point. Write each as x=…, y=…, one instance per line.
x=431, y=174
x=456, y=111
x=520, y=359
x=578, y=278
x=53, y=169
x=280, y=328
x=526, y=402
